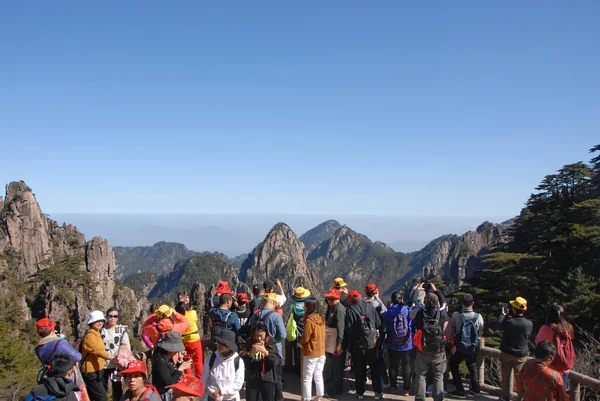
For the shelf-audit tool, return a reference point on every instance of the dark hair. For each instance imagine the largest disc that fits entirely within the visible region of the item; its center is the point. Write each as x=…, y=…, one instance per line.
x=182, y=307
x=60, y=365
x=112, y=309
x=555, y=315
x=311, y=305
x=369, y=292
x=397, y=297
x=432, y=301
x=255, y=290
x=545, y=350
x=224, y=298
x=467, y=300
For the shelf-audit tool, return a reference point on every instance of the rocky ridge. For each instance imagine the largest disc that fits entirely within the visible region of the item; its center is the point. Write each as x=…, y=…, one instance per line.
x=315, y=236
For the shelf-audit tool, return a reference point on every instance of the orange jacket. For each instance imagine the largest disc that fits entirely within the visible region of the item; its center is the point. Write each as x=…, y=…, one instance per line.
x=313, y=338
x=152, y=327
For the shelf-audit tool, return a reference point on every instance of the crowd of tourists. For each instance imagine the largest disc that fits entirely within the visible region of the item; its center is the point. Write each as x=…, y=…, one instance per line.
x=412, y=338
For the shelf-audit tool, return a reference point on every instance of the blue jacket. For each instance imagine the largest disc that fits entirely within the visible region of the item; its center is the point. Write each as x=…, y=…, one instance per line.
x=233, y=321
x=275, y=326
x=388, y=322
x=46, y=345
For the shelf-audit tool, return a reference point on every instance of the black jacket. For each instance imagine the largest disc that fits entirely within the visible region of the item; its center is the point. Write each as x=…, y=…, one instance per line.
x=516, y=334
x=164, y=371
x=360, y=308
x=262, y=370
x=62, y=388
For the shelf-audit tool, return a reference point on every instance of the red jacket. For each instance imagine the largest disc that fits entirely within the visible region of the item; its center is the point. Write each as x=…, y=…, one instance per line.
x=176, y=322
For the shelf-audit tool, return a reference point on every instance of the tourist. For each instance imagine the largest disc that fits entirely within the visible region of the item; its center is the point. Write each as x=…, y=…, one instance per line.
x=163, y=320
x=242, y=310
x=537, y=381
x=269, y=286
x=335, y=355
x=431, y=356
x=94, y=357
x=340, y=285
x=222, y=288
x=372, y=297
x=189, y=388
x=191, y=337
x=514, y=344
x=261, y=360
x=292, y=345
x=398, y=332
x=559, y=332
x=135, y=376
x=58, y=384
x=115, y=336
x=362, y=328
x=257, y=298
x=313, y=350
x=466, y=326
x=223, y=374
x=164, y=370
x=222, y=317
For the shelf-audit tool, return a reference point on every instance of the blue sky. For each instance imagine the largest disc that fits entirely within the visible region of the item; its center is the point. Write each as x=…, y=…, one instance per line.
x=387, y=108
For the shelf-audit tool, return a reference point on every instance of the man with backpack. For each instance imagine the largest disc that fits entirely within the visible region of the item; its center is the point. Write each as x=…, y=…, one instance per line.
x=58, y=384
x=276, y=330
x=514, y=345
x=362, y=328
x=430, y=343
x=222, y=317
x=257, y=299
x=466, y=326
x=398, y=327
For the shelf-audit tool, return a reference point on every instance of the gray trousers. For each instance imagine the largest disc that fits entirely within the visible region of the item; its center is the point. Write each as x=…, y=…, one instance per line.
x=436, y=364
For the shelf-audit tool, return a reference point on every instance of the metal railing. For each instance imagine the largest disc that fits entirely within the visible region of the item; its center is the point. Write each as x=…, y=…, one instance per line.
x=490, y=378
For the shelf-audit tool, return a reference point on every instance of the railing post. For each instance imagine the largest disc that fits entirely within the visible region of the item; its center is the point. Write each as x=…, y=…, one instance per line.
x=480, y=361
x=574, y=389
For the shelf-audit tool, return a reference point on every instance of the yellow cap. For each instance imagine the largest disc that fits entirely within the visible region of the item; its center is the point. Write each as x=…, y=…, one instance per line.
x=339, y=283
x=271, y=296
x=519, y=303
x=163, y=311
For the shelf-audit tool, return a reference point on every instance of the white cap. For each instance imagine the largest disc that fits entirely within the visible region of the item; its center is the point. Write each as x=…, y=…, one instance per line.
x=96, y=316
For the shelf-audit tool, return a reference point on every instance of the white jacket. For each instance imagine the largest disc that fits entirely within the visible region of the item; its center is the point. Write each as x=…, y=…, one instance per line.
x=223, y=376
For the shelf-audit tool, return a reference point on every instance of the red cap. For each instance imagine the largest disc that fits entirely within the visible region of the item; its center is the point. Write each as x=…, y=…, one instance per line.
x=45, y=326
x=188, y=385
x=135, y=366
x=242, y=298
x=371, y=288
x=223, y=288
x=333, y=293
x=354, y=296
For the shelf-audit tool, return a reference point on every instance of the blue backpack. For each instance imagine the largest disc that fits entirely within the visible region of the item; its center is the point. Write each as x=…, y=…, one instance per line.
x=400, y=331
x=468, y=335
x=32, y=397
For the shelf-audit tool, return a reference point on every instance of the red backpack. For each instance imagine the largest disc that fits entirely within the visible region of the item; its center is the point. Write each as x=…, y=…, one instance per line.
x=565, y=352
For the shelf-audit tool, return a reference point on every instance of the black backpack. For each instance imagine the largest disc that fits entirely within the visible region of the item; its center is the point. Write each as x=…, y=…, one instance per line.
x=365, y=327
x=432, y=338
x=211, y=362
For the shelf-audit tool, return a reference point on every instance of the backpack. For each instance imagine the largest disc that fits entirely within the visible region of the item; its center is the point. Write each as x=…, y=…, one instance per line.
x=565, y=353
x=32, y=397
x=432, y=337
x=222, y=324
x=400, y=330
x=211, y=362
x=468, y=336
x=45, y=368
x=367, y=332
x=291, y=329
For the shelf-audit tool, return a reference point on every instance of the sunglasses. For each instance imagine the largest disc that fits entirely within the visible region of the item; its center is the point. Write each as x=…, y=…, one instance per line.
x=113, y=316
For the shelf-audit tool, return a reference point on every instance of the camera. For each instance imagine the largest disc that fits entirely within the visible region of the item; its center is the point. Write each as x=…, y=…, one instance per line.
x=427, y=287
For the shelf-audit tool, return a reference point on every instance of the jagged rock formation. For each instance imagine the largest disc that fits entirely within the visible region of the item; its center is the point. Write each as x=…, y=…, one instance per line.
x=206, y=268
x=158, y=258
x=315, y=236
x=280, y=256
x=238, y=260
x=49, y=270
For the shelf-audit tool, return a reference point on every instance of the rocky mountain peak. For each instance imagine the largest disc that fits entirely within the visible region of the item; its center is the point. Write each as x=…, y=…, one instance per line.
x=313, y=237
x=279, y=256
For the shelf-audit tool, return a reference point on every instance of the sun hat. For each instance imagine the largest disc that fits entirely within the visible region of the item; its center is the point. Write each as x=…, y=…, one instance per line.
x=333, y=293
x=163, y=311
x=301, y=293
x=519, y=303
x=242, y=298
x=354, y=296
x=227, y=338
x=135, y=366
x=223, y=288
x=370, y=289
x=339, y=283
x=45, y=326
x=171, y=342
x=188, y=385
x=271, y=296
x=96, y=316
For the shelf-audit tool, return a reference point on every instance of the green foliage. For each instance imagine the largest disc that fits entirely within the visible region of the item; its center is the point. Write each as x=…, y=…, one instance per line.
x=554, y=254
x=65, y=275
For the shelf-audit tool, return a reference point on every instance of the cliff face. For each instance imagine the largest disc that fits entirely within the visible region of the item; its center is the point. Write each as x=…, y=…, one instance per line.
x=158, y=258
x=280, y=256
x=49, y=270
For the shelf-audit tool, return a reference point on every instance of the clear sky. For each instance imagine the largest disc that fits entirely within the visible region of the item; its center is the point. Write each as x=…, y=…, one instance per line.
x=354, y=107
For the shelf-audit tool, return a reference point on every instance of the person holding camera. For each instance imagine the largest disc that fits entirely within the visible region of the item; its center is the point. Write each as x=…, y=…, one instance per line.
x=514, y=345
x=261, y=359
